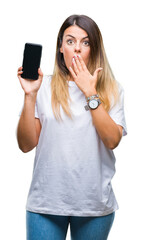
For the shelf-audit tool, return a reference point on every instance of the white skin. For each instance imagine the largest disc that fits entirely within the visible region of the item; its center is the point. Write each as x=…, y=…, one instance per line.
x=75, y=44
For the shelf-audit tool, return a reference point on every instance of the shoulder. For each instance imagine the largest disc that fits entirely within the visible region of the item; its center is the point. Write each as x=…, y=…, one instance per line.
x=120, y=89
x=118, y=98
x=116, y=111
x=120, y=92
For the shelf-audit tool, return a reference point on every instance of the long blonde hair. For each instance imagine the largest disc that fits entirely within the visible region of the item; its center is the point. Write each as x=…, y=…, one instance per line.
x=106, y=87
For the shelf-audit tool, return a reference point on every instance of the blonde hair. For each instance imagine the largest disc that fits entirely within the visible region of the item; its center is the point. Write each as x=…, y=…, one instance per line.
x=106, y=87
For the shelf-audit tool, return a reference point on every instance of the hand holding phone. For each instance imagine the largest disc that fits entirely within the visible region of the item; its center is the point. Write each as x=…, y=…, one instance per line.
x=30, y=69
x=30, y=87
x=31, y=61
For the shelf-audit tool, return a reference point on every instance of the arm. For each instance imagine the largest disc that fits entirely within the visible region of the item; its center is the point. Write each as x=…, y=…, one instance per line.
x=109, y=132
x=29, y=127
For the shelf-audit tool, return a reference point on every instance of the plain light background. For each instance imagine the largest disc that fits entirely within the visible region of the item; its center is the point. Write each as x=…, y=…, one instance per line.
x=120, y=23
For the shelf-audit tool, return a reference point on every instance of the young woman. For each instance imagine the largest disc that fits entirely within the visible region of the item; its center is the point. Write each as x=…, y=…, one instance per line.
x=74, y=118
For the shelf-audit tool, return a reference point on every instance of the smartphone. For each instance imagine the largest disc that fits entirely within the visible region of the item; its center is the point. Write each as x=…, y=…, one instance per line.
x=31, y=61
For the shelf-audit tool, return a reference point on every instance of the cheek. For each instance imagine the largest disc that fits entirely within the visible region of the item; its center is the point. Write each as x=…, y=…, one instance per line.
x=67, y=51
x=68, y=55
x=86, y=56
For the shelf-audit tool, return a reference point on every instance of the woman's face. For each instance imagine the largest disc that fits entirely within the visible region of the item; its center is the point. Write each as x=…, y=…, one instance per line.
x=75, y=41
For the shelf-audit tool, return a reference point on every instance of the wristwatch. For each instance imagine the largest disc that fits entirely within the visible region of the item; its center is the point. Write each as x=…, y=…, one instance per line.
x=92, y=102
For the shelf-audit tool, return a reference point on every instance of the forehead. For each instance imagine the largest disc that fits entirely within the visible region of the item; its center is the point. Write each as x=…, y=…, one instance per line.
x=76, y=32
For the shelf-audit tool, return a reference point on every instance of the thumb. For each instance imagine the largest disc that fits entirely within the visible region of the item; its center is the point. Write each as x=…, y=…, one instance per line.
x=40, y=72
x=97, y=71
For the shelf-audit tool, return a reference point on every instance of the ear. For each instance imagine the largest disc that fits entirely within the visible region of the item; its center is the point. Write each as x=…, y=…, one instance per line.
x=60, y=45
x=61, y=50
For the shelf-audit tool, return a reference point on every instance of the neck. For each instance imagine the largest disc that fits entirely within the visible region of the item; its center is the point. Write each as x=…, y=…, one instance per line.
x=69, y=78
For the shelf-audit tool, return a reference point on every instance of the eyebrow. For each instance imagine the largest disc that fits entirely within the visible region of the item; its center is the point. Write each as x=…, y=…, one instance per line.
x=74, y=37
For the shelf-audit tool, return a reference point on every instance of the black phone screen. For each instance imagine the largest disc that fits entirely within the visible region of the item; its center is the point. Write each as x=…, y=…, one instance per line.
x=31, y=61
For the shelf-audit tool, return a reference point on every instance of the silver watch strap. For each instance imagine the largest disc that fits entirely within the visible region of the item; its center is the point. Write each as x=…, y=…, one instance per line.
x=92, y=97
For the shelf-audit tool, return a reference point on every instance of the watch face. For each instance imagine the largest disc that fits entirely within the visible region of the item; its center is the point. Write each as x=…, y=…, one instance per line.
x=93, y=104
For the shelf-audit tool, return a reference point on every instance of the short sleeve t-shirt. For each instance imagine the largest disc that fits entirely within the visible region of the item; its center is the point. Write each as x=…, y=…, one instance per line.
x=73, y=169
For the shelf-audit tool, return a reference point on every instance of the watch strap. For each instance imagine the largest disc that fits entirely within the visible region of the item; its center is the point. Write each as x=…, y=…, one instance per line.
x=96, y=96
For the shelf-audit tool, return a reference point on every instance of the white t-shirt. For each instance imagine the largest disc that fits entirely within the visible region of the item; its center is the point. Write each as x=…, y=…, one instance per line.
x=72, y=168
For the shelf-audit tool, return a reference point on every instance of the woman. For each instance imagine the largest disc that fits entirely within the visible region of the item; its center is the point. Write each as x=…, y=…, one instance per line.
x=75, y=119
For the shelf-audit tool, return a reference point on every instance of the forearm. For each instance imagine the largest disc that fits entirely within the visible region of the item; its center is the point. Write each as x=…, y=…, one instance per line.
x=109, y=132
x=26, y=131
x=107, y=129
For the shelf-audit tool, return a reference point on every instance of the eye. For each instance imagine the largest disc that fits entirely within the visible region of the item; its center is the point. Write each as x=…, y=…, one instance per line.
x=70, y=42
x=86, y=43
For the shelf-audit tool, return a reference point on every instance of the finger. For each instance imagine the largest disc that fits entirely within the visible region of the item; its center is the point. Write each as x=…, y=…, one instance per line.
x=72, y=73
x=78, y=63
x=82, y=63
x=97, y=71
x=75, y=66
x=40, y=72
x=20, y=68
x=19, y=73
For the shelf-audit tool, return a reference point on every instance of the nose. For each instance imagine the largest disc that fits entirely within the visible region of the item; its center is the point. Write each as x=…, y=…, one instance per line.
x=77, y=48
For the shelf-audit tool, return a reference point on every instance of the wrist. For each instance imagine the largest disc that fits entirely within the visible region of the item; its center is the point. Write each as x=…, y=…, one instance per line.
x=31, y=97
x=90, y=93
x=95, y=96
x=92, y=102
x=31, y=94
